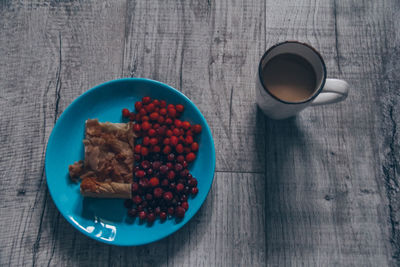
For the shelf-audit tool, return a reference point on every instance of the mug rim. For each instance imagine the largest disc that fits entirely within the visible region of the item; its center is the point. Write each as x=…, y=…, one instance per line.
x=316, y=92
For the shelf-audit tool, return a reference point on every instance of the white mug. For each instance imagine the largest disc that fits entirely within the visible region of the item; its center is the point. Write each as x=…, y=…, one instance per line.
x=326, y=91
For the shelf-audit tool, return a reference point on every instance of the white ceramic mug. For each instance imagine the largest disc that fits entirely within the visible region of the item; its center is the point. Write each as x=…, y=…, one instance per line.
x=326, y=91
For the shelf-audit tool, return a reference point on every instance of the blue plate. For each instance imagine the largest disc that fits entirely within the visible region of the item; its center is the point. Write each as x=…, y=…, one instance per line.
x=105, y=220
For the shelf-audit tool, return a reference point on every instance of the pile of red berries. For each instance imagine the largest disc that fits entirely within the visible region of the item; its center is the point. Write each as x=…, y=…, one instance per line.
x=165, y=147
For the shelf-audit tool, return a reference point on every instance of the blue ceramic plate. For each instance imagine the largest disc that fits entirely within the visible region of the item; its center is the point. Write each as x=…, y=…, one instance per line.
x=105, y=220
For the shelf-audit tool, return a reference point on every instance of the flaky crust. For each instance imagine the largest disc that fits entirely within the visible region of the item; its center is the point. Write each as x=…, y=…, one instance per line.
x=107, y=169
x=92, y=188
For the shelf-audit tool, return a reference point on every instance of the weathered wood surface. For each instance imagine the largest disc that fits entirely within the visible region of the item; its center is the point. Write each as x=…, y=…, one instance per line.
x=320, y=189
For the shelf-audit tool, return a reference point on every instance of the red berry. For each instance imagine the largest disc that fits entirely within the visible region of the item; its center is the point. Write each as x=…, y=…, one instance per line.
x=157, y=210
x=186, y=150
x=179, y=212
x=178, y=167
x=194, y=190
x=167, y=149
x=166, y=141
x=164, y=182
x=189, y=140
x=171, y=157
x=150, y=108
x=125, y=112
x=149, y=171
x=189, y=132
x=168, y=121
x=140, y=174
x=154, y=116
x=146, y=100
x=145, y=118
x=197, y=128
x=137, y=157
x=194, y=146
x=180, y=108
x=138, y=105
x=144, y=182
x=160, y=120
x=144, y=151
x=172, y=112
x=135, y=187
x=156, y=102
x=142, y=215
x=180, y=158
x=163, y=169
x=157, y=192
x=163, y=215
x=190, y=157
x=154, y=181
x=138, y=149
x=186, y=125
x=185, y=205
x=156, y=165
x=146, y=141
x=171, y=210
x=176, y=132
x=184, y=173
x=156, y=149
x=177, y=123
x=174, y=140
x=142, y=112
x=192, y=182
x=145, y=164
x=151, y=217
x=171, y=175
x=136, y=127
x=146, y=126
x=151, y=132
x=153, y=141
x=179, y=187
x=170, y=106
x=179, y=148
x=137, y=199
x=168, y=196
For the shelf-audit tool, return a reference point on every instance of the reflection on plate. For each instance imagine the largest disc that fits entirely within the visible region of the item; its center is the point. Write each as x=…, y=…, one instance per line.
x=105, y=220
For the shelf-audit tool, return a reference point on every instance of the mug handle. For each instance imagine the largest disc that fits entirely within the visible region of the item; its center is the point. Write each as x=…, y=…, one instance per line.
x=334, y=91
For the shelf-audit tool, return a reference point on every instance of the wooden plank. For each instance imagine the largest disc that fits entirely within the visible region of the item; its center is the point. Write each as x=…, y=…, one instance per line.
x=227, y=231
x=53, y=53
x=209, y=51
x=326, y=202
x=388, y=135
x=330, y=191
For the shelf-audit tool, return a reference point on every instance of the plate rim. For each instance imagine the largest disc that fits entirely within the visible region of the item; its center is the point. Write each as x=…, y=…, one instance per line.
x=97, y=87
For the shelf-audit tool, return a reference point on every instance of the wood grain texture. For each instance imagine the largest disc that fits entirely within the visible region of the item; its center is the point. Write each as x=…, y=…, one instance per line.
x=318, y=190
x=209, y=51
x=324, y=176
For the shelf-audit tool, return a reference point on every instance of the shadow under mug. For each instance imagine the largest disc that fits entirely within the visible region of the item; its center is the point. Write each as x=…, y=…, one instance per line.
x=327, y=91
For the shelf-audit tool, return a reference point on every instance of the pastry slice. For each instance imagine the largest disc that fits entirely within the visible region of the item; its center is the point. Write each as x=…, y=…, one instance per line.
x=107, y=170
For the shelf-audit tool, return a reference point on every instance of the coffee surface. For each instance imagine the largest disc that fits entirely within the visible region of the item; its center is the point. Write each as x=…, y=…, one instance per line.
x=289, y=77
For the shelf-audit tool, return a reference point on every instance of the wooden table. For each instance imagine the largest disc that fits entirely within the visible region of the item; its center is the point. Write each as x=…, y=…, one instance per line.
x=320, y=189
